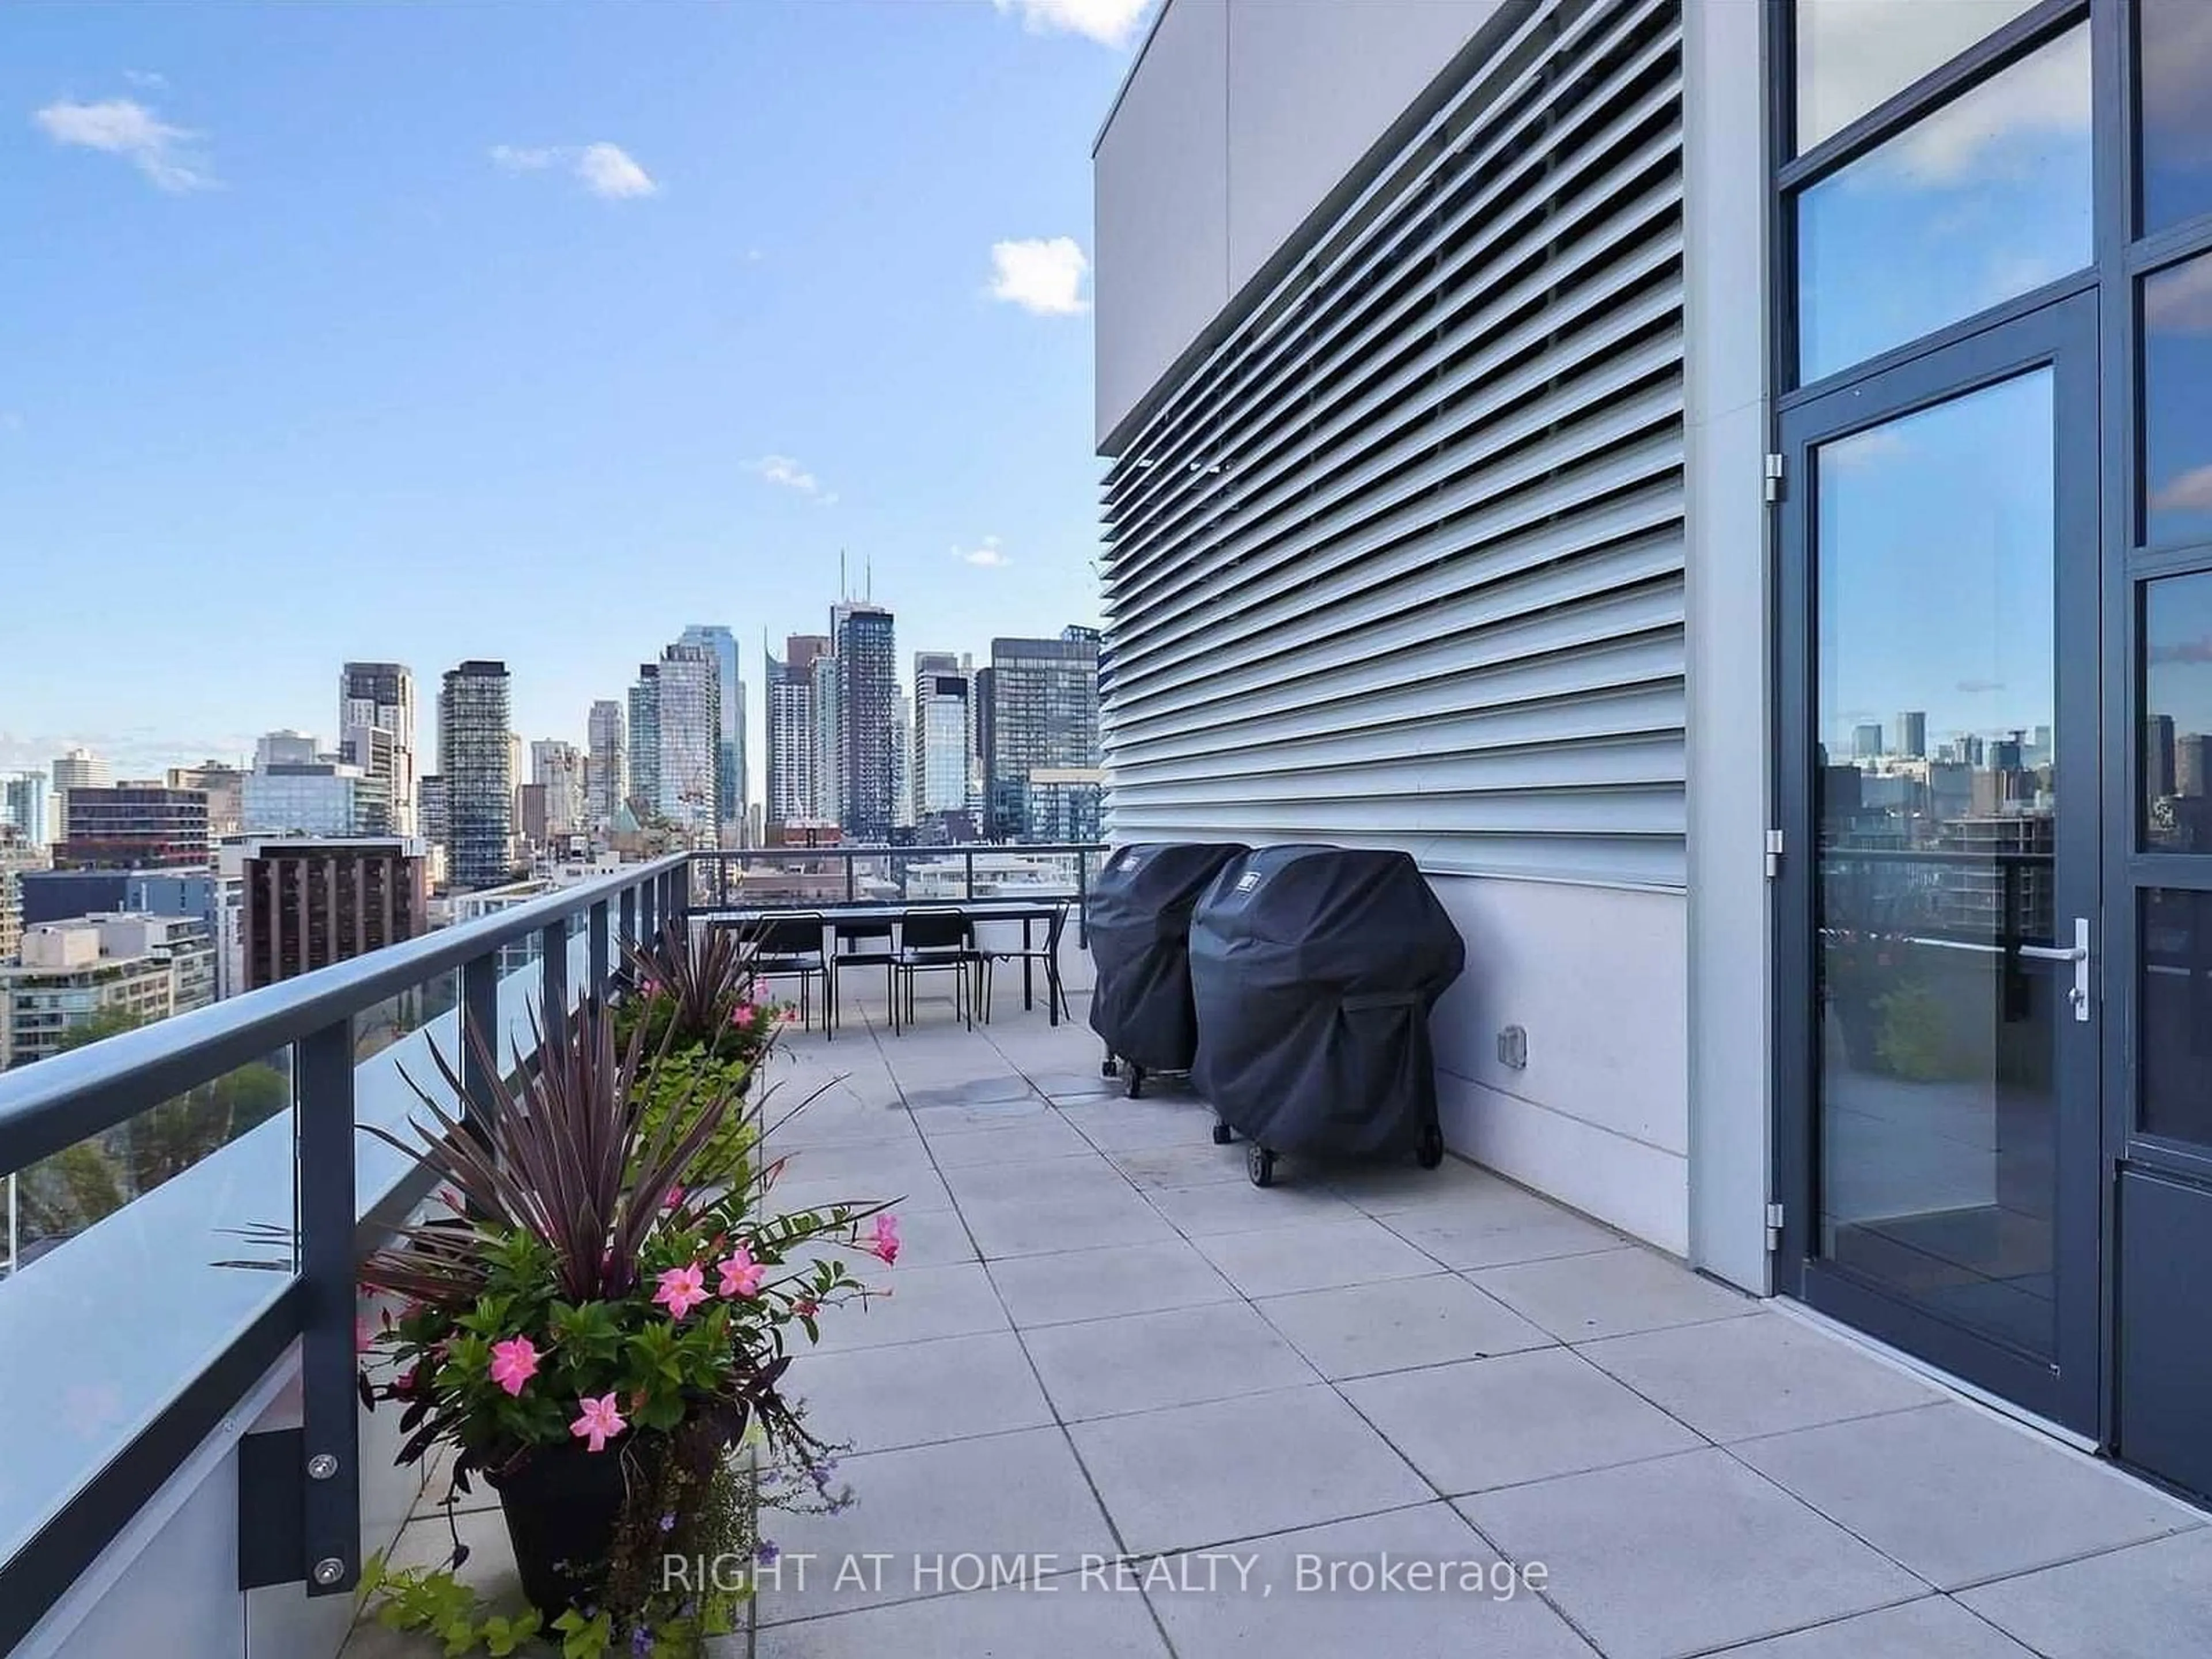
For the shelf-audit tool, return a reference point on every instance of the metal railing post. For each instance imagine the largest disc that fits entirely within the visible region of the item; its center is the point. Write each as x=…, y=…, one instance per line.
x=597, y=956
x=330, y=1518
x=648, y=920
x=851, y=891
x=553, y=977
x=1082, y=898
x=968, y=875
x=479, y=1013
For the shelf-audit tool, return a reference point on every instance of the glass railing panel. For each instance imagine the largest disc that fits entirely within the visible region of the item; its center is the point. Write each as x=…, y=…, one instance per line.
x=136, y=1259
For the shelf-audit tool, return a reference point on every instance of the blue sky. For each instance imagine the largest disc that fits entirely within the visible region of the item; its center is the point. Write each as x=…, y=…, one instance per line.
x=443, y=331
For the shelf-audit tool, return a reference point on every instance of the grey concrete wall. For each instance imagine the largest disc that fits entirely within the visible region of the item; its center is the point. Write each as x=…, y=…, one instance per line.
x=1240, y=116
x=1729, y=625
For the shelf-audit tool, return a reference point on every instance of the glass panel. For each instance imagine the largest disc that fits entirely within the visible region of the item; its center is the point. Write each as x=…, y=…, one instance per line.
x=2177, y=649
x=1855, y=54
x=2175, y=66
x=2177, y=377
x=1983, y=200
x=2177, y=1014
x=139, y=1253
x=1935, y=575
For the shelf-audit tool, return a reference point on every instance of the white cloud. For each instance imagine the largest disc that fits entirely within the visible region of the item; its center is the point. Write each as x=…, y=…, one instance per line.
x=2179, y=300
x=1109, y=23
x=1043, y=276
x=607, y=170
x=511, y=158
x=1866, y=448
x=2190, y=493
x=986, y=555
x=783, y=470
x=2005, y=127
x=145, y=78
x=125, y=127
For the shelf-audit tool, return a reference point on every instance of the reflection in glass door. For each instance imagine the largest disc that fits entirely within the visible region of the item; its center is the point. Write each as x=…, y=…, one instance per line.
x=1948, y=707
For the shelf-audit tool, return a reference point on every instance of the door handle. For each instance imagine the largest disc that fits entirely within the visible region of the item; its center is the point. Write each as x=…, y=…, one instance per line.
x=2077, y=995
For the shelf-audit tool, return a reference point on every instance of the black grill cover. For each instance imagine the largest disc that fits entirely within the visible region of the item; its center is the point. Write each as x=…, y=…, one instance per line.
x=1139, y=916
x=1314, y=970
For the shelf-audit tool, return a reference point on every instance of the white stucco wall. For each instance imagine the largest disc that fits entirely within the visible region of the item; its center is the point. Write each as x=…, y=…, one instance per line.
x=1599, y=1117
x=1238, y=119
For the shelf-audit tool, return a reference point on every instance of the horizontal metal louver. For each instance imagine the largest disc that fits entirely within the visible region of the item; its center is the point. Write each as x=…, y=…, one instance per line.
x=1399, y=562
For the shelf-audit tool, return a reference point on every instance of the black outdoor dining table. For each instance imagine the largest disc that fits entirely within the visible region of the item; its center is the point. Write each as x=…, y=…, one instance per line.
x=1026, y=911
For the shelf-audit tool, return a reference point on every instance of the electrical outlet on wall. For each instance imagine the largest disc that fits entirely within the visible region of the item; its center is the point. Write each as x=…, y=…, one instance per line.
x=1513, y=1047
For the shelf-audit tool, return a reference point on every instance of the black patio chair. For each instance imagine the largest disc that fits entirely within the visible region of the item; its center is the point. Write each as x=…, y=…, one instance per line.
x=1048, y=954
x=935, y=940
x=862, y=945
x=788, y=947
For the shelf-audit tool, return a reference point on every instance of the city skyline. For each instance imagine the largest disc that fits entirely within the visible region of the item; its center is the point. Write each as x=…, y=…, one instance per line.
x=149, y=759
x=713, y=383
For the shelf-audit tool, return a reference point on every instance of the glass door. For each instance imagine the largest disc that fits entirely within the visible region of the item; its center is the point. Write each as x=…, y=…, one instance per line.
x=1942, y=791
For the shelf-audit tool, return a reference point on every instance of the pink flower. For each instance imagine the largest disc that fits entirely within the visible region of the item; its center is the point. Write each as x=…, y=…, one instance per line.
x=741, y=1274
x=674, y=1200
x=682, y=1289
x=652, y=987
x=514, y=1363
x=743, y=1014
x=805, y=1307
x=790, y=1014
x=886, y=1242
x=601, y=1420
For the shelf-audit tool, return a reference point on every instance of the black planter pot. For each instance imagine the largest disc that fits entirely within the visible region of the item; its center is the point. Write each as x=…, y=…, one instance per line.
x=562, y=1504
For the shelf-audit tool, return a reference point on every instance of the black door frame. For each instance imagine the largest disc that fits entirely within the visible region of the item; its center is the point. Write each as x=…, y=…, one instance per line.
x=2063, y=334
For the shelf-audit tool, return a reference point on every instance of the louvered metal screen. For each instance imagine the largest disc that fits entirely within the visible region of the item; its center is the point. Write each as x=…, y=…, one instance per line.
x=1399, y=563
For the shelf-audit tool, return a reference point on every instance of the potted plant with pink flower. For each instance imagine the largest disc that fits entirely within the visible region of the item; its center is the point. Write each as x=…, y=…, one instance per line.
x=592, y=1332
x=709, y=1026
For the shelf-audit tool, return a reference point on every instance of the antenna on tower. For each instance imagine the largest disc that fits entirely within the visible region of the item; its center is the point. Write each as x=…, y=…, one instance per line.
x=843, y=593
x=868, y=579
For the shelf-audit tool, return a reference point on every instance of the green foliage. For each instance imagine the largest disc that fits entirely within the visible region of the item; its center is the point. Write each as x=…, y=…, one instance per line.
x=677, y=1623
x=584, y=1259
x=62, y=1195
x=1917, y=1041
x=672, y=1098
x=432, y=1600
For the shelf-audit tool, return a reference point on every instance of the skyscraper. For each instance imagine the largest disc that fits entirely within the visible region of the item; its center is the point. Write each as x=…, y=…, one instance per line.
x=2158, y=757
x=690, y=716
x=1912, y=734
x=829, y=742
x=865, y=642
x=2192, y=764
x=609, y=773
x=731, y=779
x=557, y=768
x=475, y=760
x=381, y=696
x=791, y=728
x=23, y=806
x=78, y=769
x=1044, y=717
x=644, y=796
x=1866, y=741
x=943, y=733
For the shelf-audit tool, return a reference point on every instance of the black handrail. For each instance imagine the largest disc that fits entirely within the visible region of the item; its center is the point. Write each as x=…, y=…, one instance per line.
x=68, y=1097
